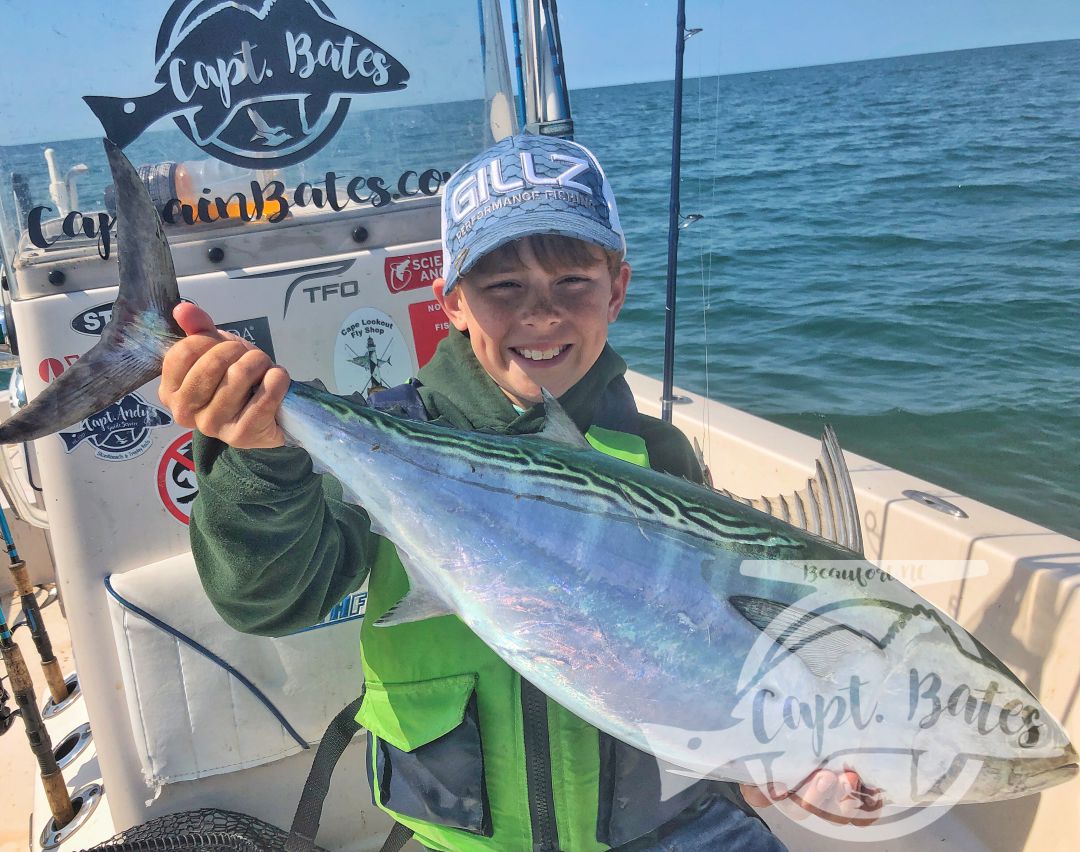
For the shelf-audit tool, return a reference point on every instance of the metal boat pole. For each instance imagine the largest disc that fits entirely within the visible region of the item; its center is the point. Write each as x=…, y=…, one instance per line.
x=22, y=687
x=673, y=218
x=25, y=589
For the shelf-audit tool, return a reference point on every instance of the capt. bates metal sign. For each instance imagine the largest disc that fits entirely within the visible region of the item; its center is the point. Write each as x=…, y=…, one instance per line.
x=255, y=83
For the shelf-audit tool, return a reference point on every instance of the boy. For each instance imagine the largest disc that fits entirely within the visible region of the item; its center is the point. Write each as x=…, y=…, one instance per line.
x=533, y=275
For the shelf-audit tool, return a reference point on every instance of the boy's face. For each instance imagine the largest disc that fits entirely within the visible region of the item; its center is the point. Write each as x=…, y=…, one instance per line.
x=531, y=328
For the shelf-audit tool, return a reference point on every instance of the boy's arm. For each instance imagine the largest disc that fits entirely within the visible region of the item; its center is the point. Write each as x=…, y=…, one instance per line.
x=274, y=544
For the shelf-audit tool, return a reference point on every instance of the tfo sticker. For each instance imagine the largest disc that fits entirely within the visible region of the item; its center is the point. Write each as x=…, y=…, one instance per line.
x=370, y=353
x=176, y=479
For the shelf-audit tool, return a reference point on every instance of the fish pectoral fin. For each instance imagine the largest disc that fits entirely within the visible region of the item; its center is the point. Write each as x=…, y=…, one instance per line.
x=420, y=603
x=817, y=641
x=826, y=506
x=559, y=426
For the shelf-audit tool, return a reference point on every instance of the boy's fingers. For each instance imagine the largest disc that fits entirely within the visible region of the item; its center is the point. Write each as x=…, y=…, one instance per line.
x=257, y=425
x=816, y=797
x=762, y=797
x=193, y=319
x=754, y=796
x=178, y=363
x=233, y=392
x=202, y=380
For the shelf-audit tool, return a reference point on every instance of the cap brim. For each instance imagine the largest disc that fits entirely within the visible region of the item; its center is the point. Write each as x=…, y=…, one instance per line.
x=559, y=223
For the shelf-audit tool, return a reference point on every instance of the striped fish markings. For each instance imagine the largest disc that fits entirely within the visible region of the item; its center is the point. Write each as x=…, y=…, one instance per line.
x=724, y=640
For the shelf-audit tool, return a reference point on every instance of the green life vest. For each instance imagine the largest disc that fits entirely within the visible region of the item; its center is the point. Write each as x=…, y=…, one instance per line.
x=445, y=714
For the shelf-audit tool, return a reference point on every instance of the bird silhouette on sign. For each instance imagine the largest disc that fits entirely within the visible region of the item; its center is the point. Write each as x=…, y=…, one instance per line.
x=271, y=136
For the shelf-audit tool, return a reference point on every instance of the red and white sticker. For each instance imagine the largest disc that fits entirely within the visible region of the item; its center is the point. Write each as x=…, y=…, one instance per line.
x=429, y=326
x=413, y=271
x=50, y=368
x=176, y=479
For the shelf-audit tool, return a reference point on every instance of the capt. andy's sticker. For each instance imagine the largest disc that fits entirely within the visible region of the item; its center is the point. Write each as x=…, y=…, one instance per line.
x=370, y=353
x=176, y=479
x=119, y=432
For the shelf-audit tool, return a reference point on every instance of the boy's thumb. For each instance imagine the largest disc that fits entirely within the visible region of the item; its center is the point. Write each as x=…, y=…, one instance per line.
x=193, y=319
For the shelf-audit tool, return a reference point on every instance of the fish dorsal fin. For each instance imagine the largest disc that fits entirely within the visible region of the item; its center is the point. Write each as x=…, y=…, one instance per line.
x=355, y=397
x=706, y=474
x=559, y=427
x=420, y=603
x=817, y=640
x=826, y=506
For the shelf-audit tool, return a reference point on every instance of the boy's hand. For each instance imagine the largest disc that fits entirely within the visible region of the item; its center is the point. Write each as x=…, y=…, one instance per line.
x=841, y=798
x=221, y=385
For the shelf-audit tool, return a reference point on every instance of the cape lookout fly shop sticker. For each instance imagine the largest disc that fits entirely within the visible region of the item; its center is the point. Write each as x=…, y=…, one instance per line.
x=370, y=353
x=176, y=484
x=119, y=432
x=256, y=83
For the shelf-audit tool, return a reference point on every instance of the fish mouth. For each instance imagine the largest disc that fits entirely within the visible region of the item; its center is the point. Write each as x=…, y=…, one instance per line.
x=1009, y=778
x=544, y=356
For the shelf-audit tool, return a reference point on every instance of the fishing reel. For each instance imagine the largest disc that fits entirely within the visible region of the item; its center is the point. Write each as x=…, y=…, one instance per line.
x=7, y=715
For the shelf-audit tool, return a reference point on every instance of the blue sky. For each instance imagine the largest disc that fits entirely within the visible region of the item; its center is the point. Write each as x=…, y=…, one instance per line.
x=619, y=41
x=59, y=50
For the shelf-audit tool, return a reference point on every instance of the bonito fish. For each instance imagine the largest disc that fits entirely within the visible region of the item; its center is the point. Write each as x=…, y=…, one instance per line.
x=724, y=640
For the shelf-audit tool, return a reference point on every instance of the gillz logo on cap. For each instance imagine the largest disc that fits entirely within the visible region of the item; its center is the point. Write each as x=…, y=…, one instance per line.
x=525, y=185
x=477, y=189
x=255, y=83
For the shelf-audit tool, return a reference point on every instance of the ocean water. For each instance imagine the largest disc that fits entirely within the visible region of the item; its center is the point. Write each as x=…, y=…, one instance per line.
x=891, y=246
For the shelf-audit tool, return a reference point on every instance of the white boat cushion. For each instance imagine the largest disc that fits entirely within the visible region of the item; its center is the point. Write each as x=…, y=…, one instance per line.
x=191, y=717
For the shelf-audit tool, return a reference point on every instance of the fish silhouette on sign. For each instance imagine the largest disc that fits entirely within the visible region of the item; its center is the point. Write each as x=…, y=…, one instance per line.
x=255, y=83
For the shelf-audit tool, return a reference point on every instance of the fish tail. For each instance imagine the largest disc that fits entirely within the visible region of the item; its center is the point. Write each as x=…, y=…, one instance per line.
x=142, y=329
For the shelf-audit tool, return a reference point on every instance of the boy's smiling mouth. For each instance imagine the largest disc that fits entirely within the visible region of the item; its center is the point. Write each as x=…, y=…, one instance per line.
x=534, y=356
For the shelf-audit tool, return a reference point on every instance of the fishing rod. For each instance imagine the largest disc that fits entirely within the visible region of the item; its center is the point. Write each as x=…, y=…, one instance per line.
x=681, y=36
x=58, y=689
x=22, y=687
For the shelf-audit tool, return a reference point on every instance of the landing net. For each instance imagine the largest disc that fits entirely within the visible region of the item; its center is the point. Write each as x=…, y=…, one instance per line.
x=208, y=829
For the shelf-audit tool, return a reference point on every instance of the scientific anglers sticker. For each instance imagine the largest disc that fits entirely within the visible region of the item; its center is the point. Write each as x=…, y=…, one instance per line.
x=370, y=353
x=176, y=479
x=256, y=83
x=412, y=271
x=119, y=432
